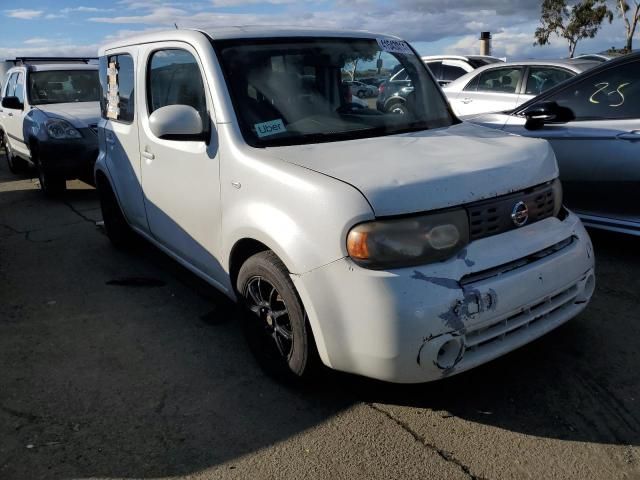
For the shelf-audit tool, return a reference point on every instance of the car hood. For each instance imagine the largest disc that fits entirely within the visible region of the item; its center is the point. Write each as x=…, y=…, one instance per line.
x=79, y=114
x=432, y=169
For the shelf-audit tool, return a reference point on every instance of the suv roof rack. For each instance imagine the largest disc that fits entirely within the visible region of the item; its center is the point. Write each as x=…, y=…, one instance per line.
x=41, y=60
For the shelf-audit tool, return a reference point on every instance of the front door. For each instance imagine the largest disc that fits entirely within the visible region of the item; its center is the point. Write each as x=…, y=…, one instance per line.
x=13, y=118
x=180, y=177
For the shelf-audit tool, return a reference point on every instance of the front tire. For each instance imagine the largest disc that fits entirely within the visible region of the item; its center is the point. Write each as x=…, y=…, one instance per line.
x=51, y=185
x=16, y=165
x=274, y=321
x=115, y=224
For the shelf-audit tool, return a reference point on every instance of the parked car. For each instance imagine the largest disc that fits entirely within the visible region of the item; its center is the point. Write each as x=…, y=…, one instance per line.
x=596, y=57
x=403, y=248
x=375, y=81
x=447, y=68
x=49, y=117
x=593, y=124
x=362, y=90
x=504, y=86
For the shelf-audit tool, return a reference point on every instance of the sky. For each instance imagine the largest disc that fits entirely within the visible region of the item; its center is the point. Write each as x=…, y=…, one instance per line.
x=79, y=27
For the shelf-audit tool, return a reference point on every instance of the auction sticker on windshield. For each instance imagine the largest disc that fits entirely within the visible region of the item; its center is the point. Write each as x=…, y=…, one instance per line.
x=394, y=46
x=272, y=127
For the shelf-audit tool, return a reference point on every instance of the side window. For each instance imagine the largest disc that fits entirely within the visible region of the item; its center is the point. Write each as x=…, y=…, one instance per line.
x=436, y=69
x=451, y=73
x=120, y=80
x=541, y=79
x=11, y=85
x=173, y=78
x=611, y=94
x=499, y=80
x=19, y=91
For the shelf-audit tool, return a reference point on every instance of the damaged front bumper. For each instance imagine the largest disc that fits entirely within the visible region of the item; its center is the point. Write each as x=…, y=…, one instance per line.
x=423, y=323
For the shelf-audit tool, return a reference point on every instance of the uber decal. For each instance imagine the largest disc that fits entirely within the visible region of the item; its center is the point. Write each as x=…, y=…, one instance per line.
x=272, y=127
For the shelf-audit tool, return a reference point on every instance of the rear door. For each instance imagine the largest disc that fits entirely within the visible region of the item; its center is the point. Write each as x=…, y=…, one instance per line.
x=181, y=177
x=599, y=152
x=119, y=133
x=492, y=90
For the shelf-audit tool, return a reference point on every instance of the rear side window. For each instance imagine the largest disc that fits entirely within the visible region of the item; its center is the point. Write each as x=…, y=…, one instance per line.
x=451, y=73
x=118, y=79
x=174, y=79
x=436, y=69
x=610, y=94
x=541, y=79
x=499, y=80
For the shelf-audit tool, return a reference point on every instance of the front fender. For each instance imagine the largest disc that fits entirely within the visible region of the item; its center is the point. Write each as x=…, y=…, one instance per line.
x=302, y=215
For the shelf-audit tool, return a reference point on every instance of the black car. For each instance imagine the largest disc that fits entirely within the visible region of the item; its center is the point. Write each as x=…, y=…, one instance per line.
x=392, y=93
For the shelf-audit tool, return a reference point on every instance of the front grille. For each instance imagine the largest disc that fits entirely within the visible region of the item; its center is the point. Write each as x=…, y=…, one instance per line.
x=94, y=128
x=491, y=217
x=531, y=317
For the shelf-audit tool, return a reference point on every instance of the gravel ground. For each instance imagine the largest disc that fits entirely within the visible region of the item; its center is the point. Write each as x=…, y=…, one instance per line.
x=105, y=377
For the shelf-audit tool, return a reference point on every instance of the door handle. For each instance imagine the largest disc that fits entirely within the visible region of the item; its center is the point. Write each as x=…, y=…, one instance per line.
x=148, y=155
x=633, y=136
x=10, y=114
x=467, y=100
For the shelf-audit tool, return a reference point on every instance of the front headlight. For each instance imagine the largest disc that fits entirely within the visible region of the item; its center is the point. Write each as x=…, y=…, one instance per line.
x=61, y=129
x=408, y=241
x=557, y=196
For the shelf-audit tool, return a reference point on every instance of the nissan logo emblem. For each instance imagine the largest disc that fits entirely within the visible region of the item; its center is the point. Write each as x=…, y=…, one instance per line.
x=520, y=214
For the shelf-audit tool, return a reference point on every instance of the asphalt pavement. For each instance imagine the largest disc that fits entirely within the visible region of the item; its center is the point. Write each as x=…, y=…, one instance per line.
x=124, y=365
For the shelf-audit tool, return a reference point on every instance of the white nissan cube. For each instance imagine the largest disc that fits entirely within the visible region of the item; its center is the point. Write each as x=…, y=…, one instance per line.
x=405, y=246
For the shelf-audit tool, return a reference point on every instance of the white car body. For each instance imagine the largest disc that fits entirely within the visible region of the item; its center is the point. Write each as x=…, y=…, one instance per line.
x=200, y=202
x=467, y=99
x=24, y=129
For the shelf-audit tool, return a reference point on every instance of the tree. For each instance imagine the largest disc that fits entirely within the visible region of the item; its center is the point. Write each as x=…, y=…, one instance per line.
x=573, y=23
x=630, y=22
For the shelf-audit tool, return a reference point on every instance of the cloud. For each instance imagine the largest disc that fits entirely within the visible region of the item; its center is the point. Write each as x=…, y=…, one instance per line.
x=23, y=14
x=35, y=41
x=83, y=9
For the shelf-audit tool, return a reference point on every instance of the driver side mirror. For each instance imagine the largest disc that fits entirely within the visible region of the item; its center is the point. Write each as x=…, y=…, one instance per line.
x=12, y=103
x=540, y=114
x=177, y=122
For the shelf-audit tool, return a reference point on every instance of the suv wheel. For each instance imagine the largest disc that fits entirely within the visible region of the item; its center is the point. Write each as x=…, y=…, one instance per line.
x=115, y=224
x=274, y=320
x=361, y=94
x=16, y=165
x=398, y=108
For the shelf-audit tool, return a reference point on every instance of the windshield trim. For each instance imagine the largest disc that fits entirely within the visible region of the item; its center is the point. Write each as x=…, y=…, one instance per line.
x=220, y=44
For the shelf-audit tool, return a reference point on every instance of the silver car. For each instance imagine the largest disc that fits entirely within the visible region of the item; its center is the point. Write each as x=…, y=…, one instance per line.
x=504, y=86
x=593, y=125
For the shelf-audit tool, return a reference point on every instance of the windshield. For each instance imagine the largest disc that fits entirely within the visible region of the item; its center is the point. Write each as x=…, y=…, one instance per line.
x=64, y=86
x=293, y=91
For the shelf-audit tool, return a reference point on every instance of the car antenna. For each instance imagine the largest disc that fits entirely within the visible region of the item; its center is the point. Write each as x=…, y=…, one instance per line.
x=176, y=25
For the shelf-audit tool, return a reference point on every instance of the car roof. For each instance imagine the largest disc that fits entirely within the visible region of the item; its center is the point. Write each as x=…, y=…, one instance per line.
x=631, y=57
x=242, y=32
x=577, y=66
x=465, y=58
x=54, y=67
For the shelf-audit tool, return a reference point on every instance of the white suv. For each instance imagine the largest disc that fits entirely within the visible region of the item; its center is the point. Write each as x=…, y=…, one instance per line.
x=49, y=117
x=405, y=248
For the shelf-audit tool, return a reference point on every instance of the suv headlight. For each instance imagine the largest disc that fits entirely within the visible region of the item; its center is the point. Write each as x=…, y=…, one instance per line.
x=408, y=241
x=61, y=129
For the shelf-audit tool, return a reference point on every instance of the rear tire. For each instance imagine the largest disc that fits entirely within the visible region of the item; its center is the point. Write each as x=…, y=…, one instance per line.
x=398, y=108
x=115, y=224
x=274, y=321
